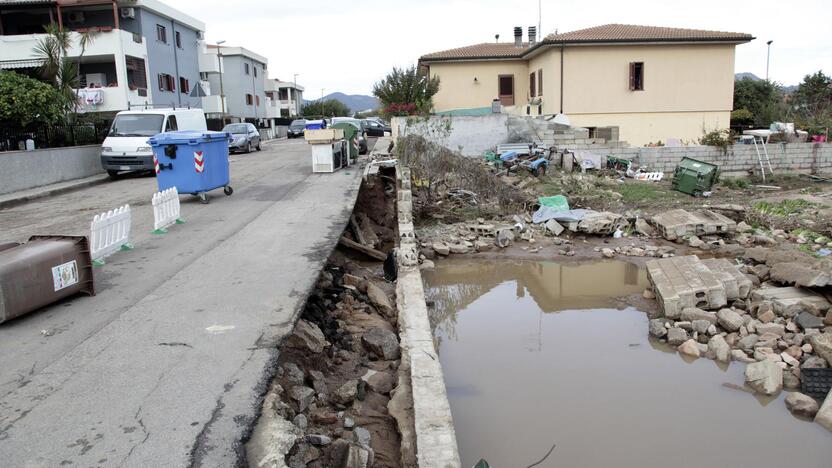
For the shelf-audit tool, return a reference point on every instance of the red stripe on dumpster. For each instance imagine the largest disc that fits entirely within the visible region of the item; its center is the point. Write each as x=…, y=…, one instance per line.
x=199, y=161
x=156, y=164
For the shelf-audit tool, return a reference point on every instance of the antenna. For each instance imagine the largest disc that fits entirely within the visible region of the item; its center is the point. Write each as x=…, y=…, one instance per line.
x=540, y=17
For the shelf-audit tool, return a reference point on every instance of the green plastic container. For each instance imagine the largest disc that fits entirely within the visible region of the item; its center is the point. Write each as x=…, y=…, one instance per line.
x=350, y=134
x=695, y=177
x=558, y=202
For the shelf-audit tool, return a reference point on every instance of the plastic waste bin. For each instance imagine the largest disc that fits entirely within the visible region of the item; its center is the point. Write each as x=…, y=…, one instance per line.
x=193, y=162
x=351, y=135
x=42, y=271
x=694, y=177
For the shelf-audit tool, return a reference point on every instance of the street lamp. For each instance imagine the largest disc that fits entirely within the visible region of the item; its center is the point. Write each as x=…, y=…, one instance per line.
x=222, y=91
x=768, y=55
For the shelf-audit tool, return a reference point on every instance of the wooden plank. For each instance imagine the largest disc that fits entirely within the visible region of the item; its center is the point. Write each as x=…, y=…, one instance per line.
x=370, y=252
x=356, y=229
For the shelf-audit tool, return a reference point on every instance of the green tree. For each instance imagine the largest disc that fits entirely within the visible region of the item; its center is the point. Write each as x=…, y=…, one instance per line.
x=407, y=86
x=811, y=103
x=764, y=99
x=26, y=101
x=57, y=68
x=328, y=108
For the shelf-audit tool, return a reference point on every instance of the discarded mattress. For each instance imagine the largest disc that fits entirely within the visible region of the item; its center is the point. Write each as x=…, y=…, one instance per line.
x=545, y=213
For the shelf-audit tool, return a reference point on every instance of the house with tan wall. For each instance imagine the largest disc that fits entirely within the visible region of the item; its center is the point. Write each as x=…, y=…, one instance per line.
x=654, y=83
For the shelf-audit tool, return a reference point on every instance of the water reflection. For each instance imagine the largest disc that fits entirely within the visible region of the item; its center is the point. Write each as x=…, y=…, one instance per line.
x=534, y=354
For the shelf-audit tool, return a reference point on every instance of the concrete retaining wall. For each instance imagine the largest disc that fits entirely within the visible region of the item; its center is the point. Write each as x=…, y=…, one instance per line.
x=21, y=170
x=738, y=160
x=471, y=135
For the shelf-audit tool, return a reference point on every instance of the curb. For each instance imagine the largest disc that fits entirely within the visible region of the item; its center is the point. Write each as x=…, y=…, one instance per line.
x=8, y=203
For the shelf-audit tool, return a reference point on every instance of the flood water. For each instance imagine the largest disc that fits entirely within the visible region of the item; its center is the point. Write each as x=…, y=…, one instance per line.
x=535, y=354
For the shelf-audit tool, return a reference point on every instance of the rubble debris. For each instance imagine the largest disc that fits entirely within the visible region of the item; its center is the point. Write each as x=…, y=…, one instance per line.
x=678, y=223
x=801, y=405
x=681, y=282
x=307, y=336
x=824, y=415
x=382, y=343
x=368, y=251
x=764, y=377
x=737, y=285
x=786, y=299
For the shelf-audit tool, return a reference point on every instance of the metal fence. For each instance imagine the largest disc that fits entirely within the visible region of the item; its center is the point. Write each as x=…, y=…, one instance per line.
x=14, y=138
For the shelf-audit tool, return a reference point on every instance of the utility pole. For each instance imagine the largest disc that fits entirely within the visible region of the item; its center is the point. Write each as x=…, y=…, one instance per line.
x=540, y=18
x=768, y=55
x=295, y=93
x=322, y=102
x=222, y=91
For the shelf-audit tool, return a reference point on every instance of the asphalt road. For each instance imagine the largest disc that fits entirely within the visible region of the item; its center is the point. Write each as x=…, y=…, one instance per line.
x=167, y=364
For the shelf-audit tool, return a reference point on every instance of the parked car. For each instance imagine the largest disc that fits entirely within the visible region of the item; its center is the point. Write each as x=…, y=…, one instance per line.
x=125, y=148
x=376, y=128
x=244, y=136
x=296, y=128
x=362, y=132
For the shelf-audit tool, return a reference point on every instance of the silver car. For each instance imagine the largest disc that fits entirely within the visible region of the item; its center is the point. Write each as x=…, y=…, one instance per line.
x=244, y=137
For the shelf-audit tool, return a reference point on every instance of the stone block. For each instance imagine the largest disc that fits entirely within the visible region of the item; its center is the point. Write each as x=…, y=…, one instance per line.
x=737, y=285
x=675, y=224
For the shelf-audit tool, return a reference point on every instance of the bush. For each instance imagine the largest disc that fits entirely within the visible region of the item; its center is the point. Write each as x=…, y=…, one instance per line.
x=719, y=138
x=399, y=110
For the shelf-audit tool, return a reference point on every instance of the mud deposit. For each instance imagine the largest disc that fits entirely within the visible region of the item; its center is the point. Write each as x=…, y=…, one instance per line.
x=540, y=353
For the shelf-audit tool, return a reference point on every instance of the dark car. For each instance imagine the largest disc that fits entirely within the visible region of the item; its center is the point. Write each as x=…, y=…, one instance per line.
x=376, y=128
x=296, y=128
x=244, y=137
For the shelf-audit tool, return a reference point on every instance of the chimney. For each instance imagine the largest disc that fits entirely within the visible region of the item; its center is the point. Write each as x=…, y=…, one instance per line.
x=532, y=35
x=518, y=36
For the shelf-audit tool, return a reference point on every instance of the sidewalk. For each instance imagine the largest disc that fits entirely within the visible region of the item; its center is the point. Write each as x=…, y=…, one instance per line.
x=16, y=198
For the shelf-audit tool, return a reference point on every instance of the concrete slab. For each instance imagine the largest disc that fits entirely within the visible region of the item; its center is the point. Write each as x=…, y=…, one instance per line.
x=681, y=282
x=737, y=285
x=676, y=224
x=783, y=298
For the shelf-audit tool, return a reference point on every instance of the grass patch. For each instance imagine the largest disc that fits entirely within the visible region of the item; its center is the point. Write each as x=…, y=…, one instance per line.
x=643, y=192
x=734, y=183
x=783, y=208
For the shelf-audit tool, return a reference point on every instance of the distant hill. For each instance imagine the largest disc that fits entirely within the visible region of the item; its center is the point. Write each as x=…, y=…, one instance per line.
x=744, y=75
x=356, y=102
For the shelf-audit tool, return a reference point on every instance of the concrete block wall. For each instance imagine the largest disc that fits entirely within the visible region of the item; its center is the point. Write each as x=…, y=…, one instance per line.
x=22, y=170
x=738, y=160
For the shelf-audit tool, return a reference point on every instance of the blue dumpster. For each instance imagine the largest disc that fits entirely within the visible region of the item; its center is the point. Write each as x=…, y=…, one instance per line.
x=193, y=162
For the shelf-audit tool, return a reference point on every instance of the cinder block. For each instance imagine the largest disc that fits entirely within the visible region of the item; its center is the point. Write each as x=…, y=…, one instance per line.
x=681, y=282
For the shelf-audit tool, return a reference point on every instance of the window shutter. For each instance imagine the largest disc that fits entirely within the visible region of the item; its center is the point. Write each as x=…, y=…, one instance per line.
x=540, y=82
x=531, y=85
x=632, y=76
x=642, y=76
x=161, y=81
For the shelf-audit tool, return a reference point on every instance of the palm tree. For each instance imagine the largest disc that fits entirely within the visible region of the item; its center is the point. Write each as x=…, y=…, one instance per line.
x=58, y=69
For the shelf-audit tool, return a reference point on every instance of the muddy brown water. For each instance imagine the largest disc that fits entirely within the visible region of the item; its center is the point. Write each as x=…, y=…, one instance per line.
x=536, y=354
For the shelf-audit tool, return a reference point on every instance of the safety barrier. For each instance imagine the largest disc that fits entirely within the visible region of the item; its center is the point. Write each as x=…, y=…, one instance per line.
x=109, y=232
x=165, y=210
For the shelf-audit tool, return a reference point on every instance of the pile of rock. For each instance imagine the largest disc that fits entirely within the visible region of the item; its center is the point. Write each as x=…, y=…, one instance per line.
x=638, y=251
x=337, y=391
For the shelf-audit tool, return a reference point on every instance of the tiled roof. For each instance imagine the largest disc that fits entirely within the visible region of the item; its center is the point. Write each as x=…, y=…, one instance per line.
x=631, y=32
x=484, y=50
x=604, y=33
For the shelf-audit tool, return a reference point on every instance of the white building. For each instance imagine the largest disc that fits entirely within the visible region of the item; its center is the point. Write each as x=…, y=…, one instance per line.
x=284, y=99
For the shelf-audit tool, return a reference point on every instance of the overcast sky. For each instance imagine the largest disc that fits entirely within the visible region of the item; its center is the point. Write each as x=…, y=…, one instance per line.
x=348, y=45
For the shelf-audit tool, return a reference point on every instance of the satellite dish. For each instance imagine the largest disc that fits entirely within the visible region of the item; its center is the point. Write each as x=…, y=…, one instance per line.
x=561, y=119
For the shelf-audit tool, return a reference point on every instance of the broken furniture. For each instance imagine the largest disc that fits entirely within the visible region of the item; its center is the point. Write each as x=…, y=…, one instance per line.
x=695, y=177
x=329, y=149
x=44, y=270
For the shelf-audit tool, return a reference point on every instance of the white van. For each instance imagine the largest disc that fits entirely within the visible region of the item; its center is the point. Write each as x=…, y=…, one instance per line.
x=126, y=147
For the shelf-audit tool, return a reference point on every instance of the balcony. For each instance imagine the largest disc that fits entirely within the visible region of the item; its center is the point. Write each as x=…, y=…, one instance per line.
x=213, y=104
x=112, y=42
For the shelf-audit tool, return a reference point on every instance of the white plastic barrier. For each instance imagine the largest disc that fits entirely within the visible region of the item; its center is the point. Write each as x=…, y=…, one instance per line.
x=650, y=176
x=165, y=209
x=109, y=232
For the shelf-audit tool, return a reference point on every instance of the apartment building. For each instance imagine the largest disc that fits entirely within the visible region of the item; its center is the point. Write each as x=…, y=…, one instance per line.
x=142, y=52
x=239, y=75
x=284, y=99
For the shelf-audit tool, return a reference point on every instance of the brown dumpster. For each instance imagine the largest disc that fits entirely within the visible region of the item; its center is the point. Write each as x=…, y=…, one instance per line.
x=42, y=271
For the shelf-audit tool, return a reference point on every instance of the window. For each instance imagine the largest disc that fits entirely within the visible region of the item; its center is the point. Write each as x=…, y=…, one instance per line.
x=257, y=100
x=255, y=70
x=203, y=76
x=178, y=39
x=540, y=82
x=636, y=76
x=246, y=68
x=171, y=126
x=184, y=85
x=249, y=99
x=506, y=89
x=161, y=34
x=167, y=82
x=532, y=90
x=136, y=73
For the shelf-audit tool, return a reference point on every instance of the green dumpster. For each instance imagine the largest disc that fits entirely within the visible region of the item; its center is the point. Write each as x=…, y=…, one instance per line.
x=351, y=135
x=695, y=177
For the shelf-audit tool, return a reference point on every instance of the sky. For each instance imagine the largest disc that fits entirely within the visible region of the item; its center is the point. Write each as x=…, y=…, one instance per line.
x=347, y=46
